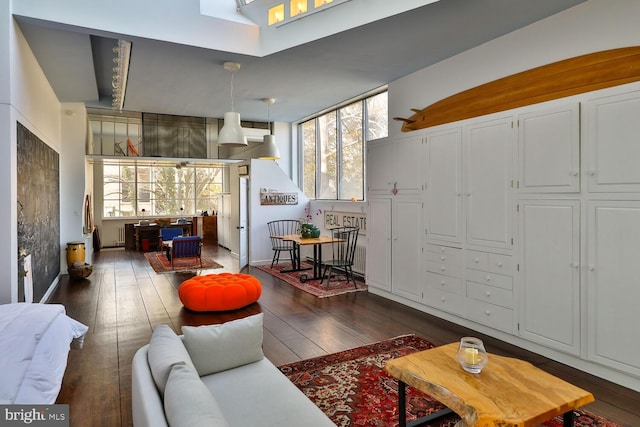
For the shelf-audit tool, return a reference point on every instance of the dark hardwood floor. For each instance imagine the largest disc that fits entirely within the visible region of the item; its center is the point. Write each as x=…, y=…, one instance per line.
x=124, y=299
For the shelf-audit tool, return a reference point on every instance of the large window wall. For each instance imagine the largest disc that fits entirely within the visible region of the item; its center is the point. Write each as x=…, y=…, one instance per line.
x=333, y=147
x=133, y=189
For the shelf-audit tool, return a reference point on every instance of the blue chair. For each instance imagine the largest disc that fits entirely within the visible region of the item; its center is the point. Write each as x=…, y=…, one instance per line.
x=167, y=235
x=186, y=247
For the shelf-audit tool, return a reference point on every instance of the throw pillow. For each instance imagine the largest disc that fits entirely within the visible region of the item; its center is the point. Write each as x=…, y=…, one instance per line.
x=215, y=348
x=165, y=349
x=188, y=402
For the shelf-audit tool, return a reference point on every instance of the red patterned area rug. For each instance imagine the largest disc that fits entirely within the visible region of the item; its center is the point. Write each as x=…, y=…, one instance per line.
x=338, y=285
x=353, y=389
x=161, y=264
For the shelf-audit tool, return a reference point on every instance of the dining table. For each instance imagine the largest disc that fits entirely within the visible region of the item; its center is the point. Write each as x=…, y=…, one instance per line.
x=298, y=242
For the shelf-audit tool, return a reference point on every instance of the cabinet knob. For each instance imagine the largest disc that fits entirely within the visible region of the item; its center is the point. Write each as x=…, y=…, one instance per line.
x=442, y=258
x=468, y=194
x=573, y=173
x=442, y=249
x=575, y=265
x=488, y=278
x=488, y=313
x=443, y=299
x=488, y=294
x=500, y=264
x=442, y=268
x=591, y=268
x=442, y=283
x=591, y=173
x=476, y=260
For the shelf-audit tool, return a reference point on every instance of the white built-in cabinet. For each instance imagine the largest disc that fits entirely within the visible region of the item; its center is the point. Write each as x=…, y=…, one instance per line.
x=549, y=147
x=407, y=247
x=443, y=189
x=487, y=170
x=549, y=276
x=523, y=224
x=395, y=202
x=612, y=136
x=393, y=165
x=378, y=263
x=613, y=284
x=224, y=220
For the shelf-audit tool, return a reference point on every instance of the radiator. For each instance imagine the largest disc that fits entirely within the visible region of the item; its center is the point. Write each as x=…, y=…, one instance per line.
x=359, y=261
x=120, y=241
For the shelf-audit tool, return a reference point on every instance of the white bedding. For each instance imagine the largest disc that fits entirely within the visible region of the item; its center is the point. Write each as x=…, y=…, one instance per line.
x=34, y=344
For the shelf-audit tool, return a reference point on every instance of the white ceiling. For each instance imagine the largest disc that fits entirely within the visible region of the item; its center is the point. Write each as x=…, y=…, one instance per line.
x=176, y=78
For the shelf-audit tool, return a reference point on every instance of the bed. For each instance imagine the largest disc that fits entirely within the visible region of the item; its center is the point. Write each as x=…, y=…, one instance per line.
x=35, y=340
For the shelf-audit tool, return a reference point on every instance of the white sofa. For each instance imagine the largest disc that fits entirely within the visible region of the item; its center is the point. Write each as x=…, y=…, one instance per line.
x=218, y=376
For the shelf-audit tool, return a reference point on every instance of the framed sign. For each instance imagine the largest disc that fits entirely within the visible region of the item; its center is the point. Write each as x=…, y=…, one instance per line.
x=268, y=198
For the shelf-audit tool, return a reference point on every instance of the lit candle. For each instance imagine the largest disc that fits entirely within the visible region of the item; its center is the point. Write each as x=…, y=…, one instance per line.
x=471, y=356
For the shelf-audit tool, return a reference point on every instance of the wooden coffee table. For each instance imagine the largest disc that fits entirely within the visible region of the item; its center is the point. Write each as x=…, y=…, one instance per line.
x=508, y=391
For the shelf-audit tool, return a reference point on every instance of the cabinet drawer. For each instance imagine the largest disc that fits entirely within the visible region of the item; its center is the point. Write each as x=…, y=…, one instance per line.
x=445, y=301
x=450, y=269
x=477, y=260
x=490, y=294
x=439, y=249
x=492, y=279
x=491, y=315
x=500, y=264
x=445, y=283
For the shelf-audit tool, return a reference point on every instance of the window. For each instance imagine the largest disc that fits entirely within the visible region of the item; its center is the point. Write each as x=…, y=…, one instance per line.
x=137, y=189
x=333, y=148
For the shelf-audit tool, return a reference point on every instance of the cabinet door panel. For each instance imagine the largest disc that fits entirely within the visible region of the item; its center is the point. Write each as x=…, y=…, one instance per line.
x=379, y=244
x=409, y=161
x=549, y=144
x=488, y=166
x=613, y=143
x=550, y=274
x=444, y=186
x=380, y=166
x=407, y=248
x=613, y=291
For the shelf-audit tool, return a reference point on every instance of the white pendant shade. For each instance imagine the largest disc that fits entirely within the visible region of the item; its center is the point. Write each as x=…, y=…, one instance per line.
x=231, y=134
x=269, y=149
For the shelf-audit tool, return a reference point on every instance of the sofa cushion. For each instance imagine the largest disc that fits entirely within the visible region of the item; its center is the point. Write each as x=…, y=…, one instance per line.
x=188, y=402
x=165, y=349
x=215, y=348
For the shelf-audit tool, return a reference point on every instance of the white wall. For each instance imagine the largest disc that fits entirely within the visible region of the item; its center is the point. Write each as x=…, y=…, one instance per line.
x=589, y=27
x=267, y=174
x=73, y=179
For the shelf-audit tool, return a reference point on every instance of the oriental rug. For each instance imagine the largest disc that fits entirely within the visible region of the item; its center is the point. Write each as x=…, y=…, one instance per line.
x=338, y=285
x=352, y=388
x=161, y=264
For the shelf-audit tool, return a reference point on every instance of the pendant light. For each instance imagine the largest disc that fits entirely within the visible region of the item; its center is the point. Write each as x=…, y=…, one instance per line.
x=269, y=149
x=231, y=134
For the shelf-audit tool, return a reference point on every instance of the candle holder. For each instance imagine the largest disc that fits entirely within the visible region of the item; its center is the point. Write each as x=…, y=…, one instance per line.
x=471, y=355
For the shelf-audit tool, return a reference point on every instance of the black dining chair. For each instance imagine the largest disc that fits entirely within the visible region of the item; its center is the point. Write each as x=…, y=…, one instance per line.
x=283, y=227
x=343, y=253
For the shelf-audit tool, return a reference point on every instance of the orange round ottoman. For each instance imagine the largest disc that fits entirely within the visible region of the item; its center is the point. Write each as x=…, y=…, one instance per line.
x=219, y=292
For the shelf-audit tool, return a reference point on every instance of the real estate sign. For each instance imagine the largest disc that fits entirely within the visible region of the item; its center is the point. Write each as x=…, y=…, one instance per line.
x=333, y=219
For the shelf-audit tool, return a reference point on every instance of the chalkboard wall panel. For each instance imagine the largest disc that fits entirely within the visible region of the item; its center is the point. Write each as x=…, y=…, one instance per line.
x=38, y=210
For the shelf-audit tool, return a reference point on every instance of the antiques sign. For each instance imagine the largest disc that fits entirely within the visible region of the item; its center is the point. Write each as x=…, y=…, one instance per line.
x=268, y=198
x=333, y=219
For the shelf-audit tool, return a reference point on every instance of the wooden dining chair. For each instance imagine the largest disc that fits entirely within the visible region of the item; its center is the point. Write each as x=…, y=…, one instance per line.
x=282, y=227
x=343, y=253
